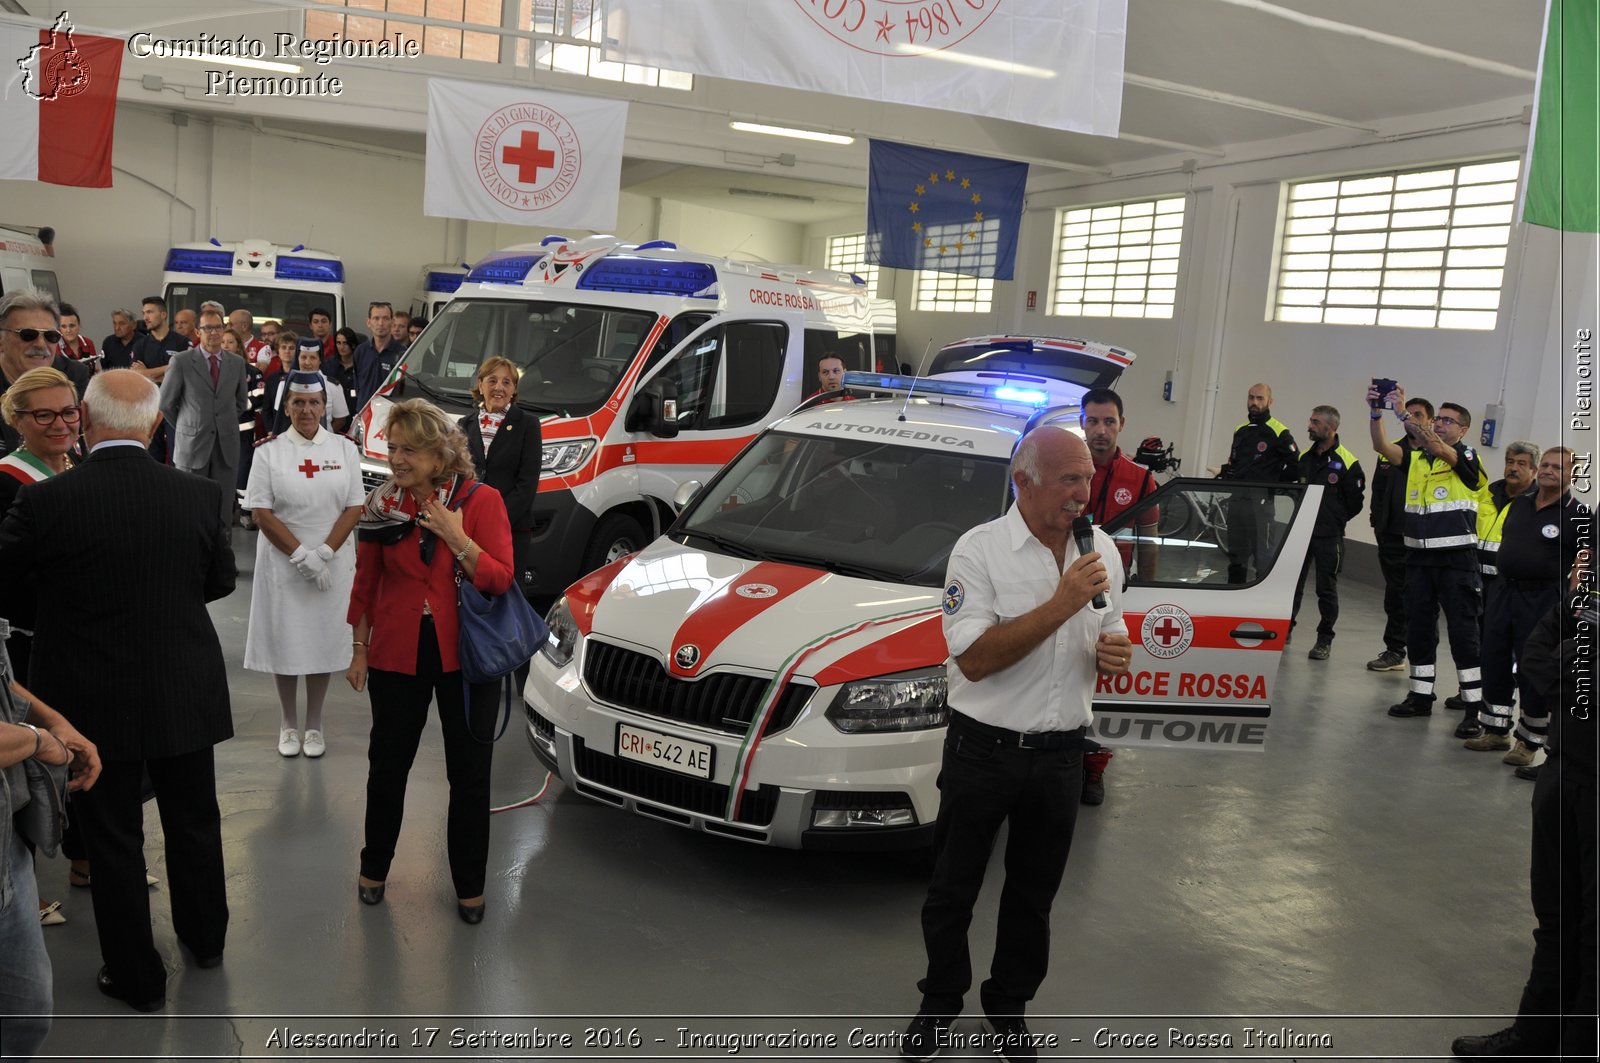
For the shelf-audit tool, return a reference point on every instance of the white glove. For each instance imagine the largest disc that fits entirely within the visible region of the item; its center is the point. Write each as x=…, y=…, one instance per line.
x=324, y=578
x=309, y=564
x=325, y=552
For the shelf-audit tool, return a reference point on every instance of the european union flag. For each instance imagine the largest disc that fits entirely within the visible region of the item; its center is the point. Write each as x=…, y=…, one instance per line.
x=943, y=210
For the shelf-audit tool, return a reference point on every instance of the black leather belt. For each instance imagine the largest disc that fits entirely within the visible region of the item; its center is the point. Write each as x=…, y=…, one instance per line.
x=1004, y=736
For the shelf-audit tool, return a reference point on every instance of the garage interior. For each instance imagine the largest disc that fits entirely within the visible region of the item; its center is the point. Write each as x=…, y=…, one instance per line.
x=1360, y=877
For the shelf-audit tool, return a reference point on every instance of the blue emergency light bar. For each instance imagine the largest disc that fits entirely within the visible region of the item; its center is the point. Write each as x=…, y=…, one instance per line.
x=649, y=276
x=918, y=387
x=502, y=269
x=322, y=270
x=442, y=282
x=188, y=260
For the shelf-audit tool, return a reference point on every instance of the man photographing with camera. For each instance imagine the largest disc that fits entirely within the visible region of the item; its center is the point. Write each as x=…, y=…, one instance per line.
x=1026, y=638
x=1443, y=482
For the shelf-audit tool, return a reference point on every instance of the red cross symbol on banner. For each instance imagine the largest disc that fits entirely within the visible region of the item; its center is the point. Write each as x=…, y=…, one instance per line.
x=1167, y=631
x=528, y=154
x=307, y=467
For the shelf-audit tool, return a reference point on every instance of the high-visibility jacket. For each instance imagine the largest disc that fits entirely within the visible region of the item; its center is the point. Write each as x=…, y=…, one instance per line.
x=1441, y=510
x=1492, y=505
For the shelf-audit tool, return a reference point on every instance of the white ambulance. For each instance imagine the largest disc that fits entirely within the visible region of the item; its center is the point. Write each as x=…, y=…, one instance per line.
x=773, y=669
x=274, y=283
x=27, y=260
x=648, y=366
x=436, y=285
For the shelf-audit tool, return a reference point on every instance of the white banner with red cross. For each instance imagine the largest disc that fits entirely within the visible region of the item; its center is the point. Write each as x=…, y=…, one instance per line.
x=523, y=156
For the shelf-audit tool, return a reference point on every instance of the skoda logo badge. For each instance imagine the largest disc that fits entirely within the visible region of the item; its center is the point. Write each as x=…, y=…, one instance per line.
x=687, y=657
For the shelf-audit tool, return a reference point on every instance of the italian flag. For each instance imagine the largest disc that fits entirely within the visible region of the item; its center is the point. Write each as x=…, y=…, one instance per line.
x=58, y=104
x=1564, y=154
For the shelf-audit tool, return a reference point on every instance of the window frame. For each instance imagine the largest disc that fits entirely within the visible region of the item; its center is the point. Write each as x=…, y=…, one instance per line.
x=1094, y=219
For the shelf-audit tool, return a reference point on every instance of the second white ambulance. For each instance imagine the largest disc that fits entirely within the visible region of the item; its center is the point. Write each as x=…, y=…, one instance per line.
x=773, y=668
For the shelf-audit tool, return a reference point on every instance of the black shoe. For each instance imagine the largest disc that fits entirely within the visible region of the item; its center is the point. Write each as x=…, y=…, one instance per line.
x=1469, y=727
x=926, y=1037
x=104, y=983
x=371, y=894
x=1319, y=652
x=471, y=914
x=1414, y=706
x=1528, y=771
x=1456, y=702
x=1010, y=1039
x=1388, y=661
x=1508, y=1042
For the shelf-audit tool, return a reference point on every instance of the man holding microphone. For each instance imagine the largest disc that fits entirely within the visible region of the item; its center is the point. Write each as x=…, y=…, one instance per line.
x=1032, y=612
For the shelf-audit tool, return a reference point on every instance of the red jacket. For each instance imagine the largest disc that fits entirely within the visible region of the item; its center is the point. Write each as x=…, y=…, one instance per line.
x=392, y=583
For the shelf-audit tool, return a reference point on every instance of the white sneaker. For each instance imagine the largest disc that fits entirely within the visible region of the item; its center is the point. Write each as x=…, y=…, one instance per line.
x=314, y=746
x=52, y=915
x=289, y=742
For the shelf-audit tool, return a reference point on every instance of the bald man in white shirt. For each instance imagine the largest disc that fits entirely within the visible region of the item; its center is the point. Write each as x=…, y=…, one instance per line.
x=1026, y=642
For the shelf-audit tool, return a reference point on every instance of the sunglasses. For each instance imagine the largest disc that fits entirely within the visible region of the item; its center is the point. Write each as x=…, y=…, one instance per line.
x=46, y=418
x=28, y=335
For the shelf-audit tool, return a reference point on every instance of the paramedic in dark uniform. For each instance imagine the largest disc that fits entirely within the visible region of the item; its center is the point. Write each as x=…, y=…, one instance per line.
x=1444, y=481
x=1537, y=546
x=1388, y=513
x=1119, y=483
x=1556, y=1016
x=1025, y=641
x=1343, y=484
x=1263, y=450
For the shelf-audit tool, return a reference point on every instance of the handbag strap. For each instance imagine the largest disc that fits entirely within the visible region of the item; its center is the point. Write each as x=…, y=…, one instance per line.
x=507, y=689
x=462, y=501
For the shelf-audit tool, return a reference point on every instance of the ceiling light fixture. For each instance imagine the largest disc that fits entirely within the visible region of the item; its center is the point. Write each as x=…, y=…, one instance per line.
x=1004, y=66
x=785, y=131
x=765, y=194
x=242, y=62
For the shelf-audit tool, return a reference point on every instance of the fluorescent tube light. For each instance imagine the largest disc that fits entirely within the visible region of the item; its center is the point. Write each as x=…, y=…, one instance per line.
x=785, y=131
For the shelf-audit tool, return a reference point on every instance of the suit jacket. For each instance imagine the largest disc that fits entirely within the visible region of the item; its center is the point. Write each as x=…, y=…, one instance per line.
x=103, y=551
x=512, y=468
x=204, y=419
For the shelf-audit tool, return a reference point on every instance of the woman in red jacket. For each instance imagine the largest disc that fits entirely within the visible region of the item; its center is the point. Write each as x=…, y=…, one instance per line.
x=429, y=521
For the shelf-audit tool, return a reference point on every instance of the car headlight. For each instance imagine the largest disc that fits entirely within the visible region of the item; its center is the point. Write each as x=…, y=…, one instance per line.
x=558, y=459
x=564, y=635
x=909, y=701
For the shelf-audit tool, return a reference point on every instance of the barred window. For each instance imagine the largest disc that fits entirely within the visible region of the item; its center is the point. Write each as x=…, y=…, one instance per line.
x=1411, y=248
x=953, y=293
x=445, y=41
x=970, y=244
x=848, y=254
x=1118, y=260
x=586, y=20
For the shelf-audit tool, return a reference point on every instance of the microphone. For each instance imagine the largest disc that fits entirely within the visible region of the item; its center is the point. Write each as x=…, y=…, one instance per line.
x=1083, y=535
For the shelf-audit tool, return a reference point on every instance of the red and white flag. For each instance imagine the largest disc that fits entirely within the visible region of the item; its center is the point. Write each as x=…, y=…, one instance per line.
x=58, y=104
x=523, y=155
x=1053, y=63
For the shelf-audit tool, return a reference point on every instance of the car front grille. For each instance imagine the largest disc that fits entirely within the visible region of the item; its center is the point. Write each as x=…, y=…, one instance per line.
x=721, y=701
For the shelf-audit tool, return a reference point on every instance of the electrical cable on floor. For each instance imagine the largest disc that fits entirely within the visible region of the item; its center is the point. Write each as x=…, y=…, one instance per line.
x=525, y=802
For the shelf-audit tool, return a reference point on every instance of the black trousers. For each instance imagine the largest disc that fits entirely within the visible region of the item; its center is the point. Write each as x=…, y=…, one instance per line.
x=1459, y=592
x=111, y=817
x=1249, y=537
x=1392, y=562
x=399, y=711
x=983, y=784
x=1510, y=614
x=1327, y=553
x=1561, y=978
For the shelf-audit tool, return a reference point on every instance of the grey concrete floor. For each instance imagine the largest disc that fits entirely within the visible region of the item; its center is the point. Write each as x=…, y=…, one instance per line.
x=1362, y=878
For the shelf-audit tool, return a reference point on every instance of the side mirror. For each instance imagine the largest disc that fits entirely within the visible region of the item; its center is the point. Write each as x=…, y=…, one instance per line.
x=685, y=494
x=655, y=410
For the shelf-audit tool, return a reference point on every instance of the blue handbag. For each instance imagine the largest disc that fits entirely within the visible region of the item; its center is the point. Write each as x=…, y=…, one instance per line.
x=498, y=634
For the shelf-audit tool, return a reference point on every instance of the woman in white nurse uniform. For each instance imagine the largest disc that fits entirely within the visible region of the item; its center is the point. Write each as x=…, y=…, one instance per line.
x=305, y=494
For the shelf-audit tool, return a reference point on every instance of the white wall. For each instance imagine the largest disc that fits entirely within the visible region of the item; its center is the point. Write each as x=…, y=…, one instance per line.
x=228, y=179
x=1221, y=340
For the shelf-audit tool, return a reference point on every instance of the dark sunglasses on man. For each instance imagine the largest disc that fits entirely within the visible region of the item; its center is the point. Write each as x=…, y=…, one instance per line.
x=28, y=335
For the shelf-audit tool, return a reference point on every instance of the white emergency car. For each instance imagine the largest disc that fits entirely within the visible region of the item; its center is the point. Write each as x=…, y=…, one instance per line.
x=282, y=284
x=647, y=366
x=27, y=260
x=773, y=668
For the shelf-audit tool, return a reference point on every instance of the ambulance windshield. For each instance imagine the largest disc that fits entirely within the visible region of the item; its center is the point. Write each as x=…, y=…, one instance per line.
x=571, y=356
x=852, y=506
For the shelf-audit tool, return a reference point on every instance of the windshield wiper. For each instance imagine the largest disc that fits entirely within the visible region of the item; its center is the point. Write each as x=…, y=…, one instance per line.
x=725, y=544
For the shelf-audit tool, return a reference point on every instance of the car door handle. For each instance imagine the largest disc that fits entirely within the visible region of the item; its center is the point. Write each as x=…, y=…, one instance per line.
x=1252, y=633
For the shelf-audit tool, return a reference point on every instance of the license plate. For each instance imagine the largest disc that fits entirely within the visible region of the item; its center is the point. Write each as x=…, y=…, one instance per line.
x=664, y=751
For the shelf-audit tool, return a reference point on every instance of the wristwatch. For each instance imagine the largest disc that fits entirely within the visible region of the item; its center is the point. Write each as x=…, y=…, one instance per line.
x=461, y=555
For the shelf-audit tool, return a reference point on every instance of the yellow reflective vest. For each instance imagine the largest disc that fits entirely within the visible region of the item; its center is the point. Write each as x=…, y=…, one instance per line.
x=1441, y=510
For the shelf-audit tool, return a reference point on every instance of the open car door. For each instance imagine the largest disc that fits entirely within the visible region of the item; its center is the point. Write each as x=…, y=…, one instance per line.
x=1212, y=567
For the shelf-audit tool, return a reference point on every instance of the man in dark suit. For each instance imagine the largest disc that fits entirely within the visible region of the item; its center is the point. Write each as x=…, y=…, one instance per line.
x=204, y=393
x=123, y=538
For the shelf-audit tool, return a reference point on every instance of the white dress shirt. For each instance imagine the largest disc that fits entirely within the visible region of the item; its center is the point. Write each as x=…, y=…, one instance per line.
x=999, y=571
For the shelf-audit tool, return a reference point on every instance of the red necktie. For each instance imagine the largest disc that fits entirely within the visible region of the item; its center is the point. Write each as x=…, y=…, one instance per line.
x=216, y=369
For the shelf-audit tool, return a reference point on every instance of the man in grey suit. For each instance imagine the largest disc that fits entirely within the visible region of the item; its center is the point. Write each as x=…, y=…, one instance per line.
x=202, y=396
